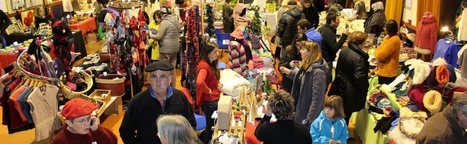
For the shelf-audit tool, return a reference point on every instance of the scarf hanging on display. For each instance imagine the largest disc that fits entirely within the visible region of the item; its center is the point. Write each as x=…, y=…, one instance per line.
x=191, y=54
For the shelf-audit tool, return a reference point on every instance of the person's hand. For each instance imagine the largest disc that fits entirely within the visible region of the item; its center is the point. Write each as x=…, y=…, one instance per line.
x=199, y=111
x=266, y=110
x=94, y=123
x=219, y=86
x=284, y=70
x=294, y=63
x=210, y=91
x=345, y=31
x=331, y=141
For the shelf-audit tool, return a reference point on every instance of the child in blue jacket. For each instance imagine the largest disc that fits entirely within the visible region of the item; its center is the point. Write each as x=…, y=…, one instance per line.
x=330, y=126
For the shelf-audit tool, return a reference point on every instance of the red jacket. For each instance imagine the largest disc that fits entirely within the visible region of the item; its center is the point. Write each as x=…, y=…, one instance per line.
x=427, y=33
x=206, y=80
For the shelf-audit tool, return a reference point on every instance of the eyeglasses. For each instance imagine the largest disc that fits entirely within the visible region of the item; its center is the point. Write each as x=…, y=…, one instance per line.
x=83, y=121
x=161, y=78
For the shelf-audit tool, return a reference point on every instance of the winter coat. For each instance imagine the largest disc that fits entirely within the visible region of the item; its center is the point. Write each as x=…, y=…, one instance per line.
x=387, y=56
x=309, y=91
x=287, y=27
x=168, y=35
x=375, y=23
x=323, y=129
x=351, y=82
x=427, y=33
x=311, y=14
x=227, y=18
x=329, y=44
x=442, y=128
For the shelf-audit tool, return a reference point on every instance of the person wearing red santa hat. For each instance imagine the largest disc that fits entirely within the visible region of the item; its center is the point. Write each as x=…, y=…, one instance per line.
x=81, y=126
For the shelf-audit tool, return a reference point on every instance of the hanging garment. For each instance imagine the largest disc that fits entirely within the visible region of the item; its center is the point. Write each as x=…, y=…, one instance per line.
x=447, y=49
x=462, y=33
x=462, y=61
x=17, y=117
x=44, y=107
x=427, y=33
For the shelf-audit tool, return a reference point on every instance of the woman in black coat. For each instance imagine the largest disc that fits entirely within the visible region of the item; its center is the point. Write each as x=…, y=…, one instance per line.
x=351, y=80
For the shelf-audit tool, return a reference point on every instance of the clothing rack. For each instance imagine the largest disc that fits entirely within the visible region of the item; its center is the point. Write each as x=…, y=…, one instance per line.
x=19, y=63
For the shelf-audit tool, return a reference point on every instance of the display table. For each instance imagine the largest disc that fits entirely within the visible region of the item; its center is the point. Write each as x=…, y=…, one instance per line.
x=85, y=26
x=365, y=121
x=7, y=59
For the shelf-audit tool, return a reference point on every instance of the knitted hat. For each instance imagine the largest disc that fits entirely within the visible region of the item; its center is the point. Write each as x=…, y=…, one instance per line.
x=416, y=94
x=421, y=72
x=77, y=108
x=314, y=35
x=432, y=101
x=238, y=33
x=442, y=75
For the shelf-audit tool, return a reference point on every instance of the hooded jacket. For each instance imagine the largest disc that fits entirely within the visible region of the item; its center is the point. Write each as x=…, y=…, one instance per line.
x=351, y=80
x=375, y=23
x=168, y=35
x=309, y=91
x=427, y=33
x=323, y=129
x=287, y=28
x=442, y=128
x=311, y=14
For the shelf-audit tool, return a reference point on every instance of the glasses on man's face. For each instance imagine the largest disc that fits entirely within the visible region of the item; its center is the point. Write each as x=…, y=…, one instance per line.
x=160, y=78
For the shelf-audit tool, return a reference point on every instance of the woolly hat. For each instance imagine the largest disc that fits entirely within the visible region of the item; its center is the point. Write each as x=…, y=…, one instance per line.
x=416, y=94
x=432, y=101
x=78, y=107
x=421, y=72
x=442, y=75
x=238, y=33
x=314, y=35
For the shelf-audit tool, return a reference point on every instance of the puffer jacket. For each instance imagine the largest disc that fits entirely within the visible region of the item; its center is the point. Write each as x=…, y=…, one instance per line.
x=323, y=129
x=168, y=35
x=309, y=91
x=287, y=28
x=351, y=82
x=375, y=23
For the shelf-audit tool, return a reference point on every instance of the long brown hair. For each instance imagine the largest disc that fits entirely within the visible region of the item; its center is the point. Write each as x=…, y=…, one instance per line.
x=204, y=51
x=315, y=51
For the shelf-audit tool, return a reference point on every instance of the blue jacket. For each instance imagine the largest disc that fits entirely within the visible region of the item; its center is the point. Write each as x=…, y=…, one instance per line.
x=321, y=130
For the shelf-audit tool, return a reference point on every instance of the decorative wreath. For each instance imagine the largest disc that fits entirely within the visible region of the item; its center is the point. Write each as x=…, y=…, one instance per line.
x=411, y=126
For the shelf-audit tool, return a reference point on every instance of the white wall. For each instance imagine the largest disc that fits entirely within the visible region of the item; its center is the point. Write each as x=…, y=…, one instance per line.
x=411, y=14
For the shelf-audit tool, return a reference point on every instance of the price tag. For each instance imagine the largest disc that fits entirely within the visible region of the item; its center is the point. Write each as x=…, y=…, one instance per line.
x=225, y=42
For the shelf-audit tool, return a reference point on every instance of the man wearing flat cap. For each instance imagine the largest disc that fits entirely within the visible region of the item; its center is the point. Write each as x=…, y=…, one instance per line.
x=139, y=123
x=81, y=127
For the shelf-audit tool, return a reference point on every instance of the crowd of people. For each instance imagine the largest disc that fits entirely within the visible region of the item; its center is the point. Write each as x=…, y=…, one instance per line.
x=304, y=112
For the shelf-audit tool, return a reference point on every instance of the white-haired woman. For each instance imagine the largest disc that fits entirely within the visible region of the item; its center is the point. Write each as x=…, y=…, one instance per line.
x=375, y=23
x=175, y=129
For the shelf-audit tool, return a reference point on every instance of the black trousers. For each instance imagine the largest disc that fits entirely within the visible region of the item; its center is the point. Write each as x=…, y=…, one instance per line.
x=208, y=109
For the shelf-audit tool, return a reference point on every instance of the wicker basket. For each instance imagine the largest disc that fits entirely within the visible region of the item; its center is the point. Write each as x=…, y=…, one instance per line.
x=69, y=94
x=113, y=82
